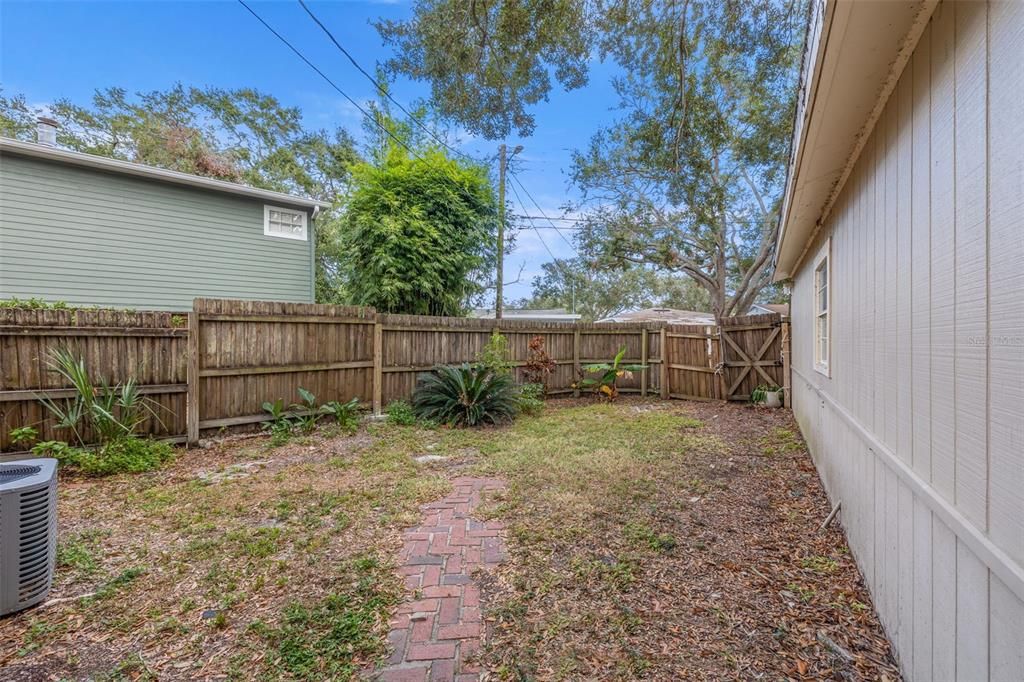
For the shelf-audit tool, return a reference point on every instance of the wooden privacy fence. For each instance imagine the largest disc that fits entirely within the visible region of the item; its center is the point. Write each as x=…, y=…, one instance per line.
x=214, y=367
x=149, y=346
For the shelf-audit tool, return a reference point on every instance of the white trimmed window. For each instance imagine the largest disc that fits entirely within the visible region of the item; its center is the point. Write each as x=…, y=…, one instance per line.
x=822, y=304
x=284, y=223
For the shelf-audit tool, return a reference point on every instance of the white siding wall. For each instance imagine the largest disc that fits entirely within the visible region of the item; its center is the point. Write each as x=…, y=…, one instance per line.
x=920, y=429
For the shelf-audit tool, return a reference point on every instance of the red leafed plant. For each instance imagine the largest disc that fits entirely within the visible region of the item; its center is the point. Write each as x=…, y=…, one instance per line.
x=539, y=364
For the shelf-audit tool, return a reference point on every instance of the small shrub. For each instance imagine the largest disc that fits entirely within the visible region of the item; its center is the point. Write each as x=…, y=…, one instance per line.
x=280, y=432
x=279, y=425
x=531, y=398
x=400, y=413
x=24, y=435
x=126, y=455
x=759, y=395
x=495, y=356
x=609, y=373
x=539, y=364
x=307, y=422
x=52, y=448
x=33, y=304
x=466, y=396
x=346, y=414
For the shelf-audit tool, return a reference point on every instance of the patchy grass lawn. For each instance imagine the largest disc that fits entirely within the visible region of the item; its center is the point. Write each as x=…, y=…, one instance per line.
x=647, y=540
x=672, y=541
x=238, y=561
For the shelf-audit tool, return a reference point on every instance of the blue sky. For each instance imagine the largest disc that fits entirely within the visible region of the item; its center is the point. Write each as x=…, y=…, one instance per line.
x=68, y=49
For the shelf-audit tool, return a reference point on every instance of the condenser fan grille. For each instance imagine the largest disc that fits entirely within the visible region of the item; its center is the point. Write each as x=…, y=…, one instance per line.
x=15, y=472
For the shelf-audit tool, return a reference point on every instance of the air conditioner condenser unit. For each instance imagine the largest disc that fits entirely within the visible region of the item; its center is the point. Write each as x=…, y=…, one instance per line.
x=28, y=532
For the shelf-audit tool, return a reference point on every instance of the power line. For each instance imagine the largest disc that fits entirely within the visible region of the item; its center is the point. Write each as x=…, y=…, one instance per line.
x=541, y=210
x=571, y=220
x=579, y=224
x=380, y=87
x=329, y=81
x=539, y=235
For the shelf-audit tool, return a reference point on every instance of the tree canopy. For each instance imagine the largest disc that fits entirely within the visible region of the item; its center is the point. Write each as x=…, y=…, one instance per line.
x=574, y=284
x=418, y=233
x=488, y=62
x=689, y=177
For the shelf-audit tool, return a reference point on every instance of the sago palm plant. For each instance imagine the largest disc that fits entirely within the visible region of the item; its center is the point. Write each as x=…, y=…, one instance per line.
x=466, y=396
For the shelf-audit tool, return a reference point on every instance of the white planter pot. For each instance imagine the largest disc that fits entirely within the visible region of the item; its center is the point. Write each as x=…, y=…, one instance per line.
x=773, y=399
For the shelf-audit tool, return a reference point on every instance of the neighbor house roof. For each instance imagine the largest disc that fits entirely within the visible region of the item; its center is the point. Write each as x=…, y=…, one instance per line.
x=548, y=315
x=853, y=59
x=670, y=315
x=769, y=308
x=102, y=163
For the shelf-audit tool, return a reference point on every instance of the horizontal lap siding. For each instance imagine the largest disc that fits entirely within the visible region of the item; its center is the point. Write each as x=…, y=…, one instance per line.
x=94, y=238
x=920, y=431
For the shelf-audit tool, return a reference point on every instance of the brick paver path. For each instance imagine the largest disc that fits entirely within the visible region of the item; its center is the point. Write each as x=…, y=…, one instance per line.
x=438, y=629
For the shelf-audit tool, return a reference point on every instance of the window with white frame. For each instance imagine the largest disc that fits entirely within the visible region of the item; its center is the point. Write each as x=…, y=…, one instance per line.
x=822, y=301
x=284, y=222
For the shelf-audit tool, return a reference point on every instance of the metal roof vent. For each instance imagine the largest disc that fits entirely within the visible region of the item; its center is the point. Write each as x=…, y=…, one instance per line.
x=28, y=532
x=46, y=131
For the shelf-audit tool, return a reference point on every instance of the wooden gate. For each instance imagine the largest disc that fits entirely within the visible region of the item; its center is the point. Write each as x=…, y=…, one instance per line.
x=693, y=353
x=751, y=349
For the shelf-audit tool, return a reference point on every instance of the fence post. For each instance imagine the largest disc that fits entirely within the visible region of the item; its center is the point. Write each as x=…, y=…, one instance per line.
x=785, y=363
x=663, y=379
x=378, y=366
x=576, y=359
x=643, y=361
x=192, y=379
x=716, y=357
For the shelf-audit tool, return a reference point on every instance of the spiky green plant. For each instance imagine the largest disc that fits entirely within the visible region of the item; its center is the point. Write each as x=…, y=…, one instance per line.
x=108, y=412
x=468, y=395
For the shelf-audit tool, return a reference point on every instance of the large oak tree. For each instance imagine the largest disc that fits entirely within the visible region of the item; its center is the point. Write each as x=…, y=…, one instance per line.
x=689, y=178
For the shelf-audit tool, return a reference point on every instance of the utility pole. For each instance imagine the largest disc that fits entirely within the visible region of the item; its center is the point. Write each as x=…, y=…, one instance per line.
x=498, y=303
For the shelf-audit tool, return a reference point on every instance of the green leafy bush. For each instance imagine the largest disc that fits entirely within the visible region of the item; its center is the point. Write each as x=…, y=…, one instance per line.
x=531, y=398
x=24, y=435
x=609, y=373
x=33, y=304
x=495, y=355
x=466, y=396
x=125, y=455
x=400, y=413
x=279, y=425
x=346, y=414
x=310, y=413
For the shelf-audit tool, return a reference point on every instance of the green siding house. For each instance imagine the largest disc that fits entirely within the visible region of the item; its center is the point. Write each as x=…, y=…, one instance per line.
x=90, y=230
